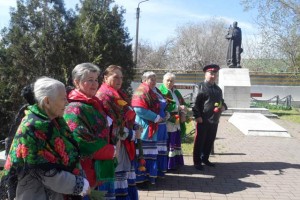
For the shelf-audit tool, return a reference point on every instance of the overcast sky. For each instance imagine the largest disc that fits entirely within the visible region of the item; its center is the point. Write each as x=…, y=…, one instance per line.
x=160, y=18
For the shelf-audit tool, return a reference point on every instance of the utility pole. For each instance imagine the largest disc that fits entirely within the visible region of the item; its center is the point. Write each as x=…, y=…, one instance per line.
x=137, y=32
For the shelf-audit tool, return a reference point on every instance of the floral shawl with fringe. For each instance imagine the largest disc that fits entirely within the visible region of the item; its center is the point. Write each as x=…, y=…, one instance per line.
x=144, y=97
x=40, y=145
x=117, y=106
x=87, y=120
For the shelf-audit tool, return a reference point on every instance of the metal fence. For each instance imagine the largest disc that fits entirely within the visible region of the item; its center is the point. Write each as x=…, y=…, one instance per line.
x=188, y=98
x=274, y=102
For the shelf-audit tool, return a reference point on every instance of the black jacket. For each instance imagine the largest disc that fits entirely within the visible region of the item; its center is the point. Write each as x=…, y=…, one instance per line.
x=206, y=96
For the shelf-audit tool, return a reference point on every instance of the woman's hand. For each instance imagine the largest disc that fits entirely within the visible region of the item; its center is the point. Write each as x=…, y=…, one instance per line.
x=223, y=108
x=158, y=119
x=88, y=192
x=182, y=108
x=138, y=132
x=167, y=115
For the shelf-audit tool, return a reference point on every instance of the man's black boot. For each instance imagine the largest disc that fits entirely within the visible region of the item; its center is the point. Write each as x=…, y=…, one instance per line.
x=199, y=167
x=207, y=163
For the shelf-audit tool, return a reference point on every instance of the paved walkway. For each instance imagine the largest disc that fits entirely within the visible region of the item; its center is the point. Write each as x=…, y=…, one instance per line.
x=248, y=167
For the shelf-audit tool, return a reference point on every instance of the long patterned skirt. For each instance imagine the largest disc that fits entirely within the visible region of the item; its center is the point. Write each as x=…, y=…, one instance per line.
x=150, y=155
x=175, y=152
x=118, y=189
x=109, y=188
x=132, y=189
x=162, y=157
x=121, y=186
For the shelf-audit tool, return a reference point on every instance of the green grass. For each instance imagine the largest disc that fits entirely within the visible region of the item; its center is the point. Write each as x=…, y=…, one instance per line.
x=188, y=141
x=292, y=115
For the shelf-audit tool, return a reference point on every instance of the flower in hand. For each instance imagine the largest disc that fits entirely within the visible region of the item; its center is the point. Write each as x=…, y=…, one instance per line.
x=142, y=161
x=177, y=119
x=218, y=107
x=142, y=164
x=142, y=168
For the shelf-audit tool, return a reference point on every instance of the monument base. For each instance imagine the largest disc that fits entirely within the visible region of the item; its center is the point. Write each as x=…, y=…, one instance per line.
x=236, y=87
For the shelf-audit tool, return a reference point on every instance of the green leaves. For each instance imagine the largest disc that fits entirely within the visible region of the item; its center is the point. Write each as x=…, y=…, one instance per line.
x=45, y=39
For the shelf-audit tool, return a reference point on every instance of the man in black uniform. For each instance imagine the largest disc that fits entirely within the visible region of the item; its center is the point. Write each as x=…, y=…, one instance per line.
x=207, y=109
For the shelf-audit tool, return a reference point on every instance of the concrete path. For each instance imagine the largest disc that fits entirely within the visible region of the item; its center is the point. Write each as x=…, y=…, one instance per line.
x=248, y=168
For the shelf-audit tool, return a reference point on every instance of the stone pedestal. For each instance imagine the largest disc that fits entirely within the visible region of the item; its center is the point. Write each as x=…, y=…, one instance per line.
x=236, y=86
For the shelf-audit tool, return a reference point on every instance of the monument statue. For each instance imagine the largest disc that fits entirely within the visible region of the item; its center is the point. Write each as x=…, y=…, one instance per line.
x=234, y=37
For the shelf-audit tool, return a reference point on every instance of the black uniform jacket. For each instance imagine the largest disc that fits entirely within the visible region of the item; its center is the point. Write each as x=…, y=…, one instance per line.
x=206, y=98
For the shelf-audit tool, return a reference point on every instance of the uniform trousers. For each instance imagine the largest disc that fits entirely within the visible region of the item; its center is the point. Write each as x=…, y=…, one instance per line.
x=204, y=139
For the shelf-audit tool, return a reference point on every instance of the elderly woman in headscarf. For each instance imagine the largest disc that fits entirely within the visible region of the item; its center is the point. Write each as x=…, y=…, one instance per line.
x=176, y=107
x=147, y=105
x=90, y=125
x=124, y=129
x=43, y=161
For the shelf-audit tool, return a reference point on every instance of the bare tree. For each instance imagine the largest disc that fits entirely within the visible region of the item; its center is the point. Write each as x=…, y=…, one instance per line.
x=198, y=44
x=195, y=45
x=261, y=56
x=279, y=22
x=154, y=57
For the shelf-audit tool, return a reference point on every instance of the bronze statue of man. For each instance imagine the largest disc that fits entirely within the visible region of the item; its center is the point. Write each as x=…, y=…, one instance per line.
x=234, y=36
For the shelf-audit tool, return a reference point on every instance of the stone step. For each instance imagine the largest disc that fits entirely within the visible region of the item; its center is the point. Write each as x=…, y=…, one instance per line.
x=263, y=111
x=256, y=124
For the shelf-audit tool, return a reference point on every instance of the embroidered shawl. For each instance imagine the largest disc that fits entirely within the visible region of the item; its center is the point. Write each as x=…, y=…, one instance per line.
x=171, y=105
x=40, y=145
x=117, y=106
x=145, y=98
x=87, y=120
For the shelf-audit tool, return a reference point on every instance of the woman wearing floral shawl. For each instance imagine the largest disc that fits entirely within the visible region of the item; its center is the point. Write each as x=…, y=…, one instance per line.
x=147, y=106
x=43, y=161
x=86, y=118
x=175, y=127
x=117, y=106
